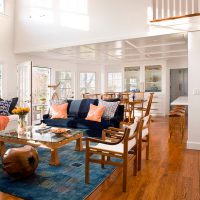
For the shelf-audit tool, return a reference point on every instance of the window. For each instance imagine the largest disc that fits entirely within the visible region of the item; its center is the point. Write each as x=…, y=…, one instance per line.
x=1, y=80
x=87, y=83
x=40, y=82
x=114, y=82
x=2, y=6
x=65, y=89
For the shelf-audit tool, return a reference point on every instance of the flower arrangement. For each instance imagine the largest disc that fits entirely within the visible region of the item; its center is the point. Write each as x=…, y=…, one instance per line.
x=22, y=113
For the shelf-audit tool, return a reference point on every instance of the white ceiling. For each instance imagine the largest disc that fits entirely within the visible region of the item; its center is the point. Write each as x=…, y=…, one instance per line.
x=124, y=51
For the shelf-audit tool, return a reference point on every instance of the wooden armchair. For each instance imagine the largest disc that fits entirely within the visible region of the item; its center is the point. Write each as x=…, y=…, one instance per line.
x=125, y=142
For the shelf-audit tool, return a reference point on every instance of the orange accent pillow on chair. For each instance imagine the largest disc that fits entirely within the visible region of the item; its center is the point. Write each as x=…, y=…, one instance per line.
x=95, y=113
x=59, y=111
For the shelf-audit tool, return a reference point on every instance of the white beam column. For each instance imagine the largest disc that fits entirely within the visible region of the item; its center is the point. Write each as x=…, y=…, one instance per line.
x=193, y=90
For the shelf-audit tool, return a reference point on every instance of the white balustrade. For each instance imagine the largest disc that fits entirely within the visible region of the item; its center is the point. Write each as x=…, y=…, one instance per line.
x=174, y=8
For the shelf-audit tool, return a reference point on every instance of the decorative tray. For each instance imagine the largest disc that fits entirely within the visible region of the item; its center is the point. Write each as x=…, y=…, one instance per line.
x=60, y=130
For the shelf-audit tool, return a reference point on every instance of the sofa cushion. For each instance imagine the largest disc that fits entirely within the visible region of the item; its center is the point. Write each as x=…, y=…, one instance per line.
x=13, y=104
x=4, y=107
x=74, y=108
x=95, y=113
x=69, y=122
x=110, y=108
x=92, y=125
x=59, y=111
x=85, y=106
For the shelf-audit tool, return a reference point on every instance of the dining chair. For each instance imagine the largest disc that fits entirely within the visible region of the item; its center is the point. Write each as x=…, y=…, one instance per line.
x=144, y=140
x=91, y=96
x=124, y=100
x=108, y=95
x=121, y=144
x=143, y=112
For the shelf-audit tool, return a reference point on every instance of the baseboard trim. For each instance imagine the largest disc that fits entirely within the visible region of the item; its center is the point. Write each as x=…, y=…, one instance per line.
x=193, y=145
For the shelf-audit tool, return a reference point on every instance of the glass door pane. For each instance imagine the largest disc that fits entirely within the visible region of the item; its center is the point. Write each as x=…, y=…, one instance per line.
x=40, y=92
x=24, y=71
x=132, y=79
x=153, y=78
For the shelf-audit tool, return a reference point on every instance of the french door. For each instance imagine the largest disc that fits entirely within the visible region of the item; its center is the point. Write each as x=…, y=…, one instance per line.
x=24, y=71
x=33, y=91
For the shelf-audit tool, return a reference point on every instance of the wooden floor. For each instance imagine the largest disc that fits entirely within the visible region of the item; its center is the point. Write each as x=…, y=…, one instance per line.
x=171, y=173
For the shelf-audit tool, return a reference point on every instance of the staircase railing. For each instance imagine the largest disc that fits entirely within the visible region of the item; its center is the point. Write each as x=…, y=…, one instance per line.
x=174, y=9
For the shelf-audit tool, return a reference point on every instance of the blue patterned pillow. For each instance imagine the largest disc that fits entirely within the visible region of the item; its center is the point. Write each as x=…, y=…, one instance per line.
x=111, y=107
x=4, y=107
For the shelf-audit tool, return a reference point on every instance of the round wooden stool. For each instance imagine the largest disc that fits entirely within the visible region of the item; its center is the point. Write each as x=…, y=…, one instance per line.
x=20, y=162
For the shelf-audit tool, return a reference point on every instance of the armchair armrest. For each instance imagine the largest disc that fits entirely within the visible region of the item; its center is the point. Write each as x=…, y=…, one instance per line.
x=95, y=140
x=112, y=134
x=116, y=129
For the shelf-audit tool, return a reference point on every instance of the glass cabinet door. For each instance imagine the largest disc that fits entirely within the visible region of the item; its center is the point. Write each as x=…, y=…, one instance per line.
x=132, y=79
x=153, y=78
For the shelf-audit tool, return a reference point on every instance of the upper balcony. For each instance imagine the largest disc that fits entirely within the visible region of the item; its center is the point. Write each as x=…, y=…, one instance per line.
x=177, y=14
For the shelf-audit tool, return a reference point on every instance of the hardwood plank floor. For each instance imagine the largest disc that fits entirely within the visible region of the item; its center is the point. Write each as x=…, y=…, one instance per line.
x=171, y=173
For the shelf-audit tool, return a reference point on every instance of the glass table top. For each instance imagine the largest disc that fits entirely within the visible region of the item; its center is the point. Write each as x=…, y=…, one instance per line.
x=40, y=135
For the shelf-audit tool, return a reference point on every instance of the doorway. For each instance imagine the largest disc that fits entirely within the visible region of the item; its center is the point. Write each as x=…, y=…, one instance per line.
x=178, y=83
x=41, y=77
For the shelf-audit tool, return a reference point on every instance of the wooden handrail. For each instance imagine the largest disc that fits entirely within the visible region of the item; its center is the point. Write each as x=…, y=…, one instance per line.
x=177, y=17
x=174, y=9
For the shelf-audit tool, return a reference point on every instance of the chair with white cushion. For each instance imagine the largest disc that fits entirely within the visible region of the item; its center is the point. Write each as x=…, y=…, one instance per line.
x=144, y=139
x=121, y=144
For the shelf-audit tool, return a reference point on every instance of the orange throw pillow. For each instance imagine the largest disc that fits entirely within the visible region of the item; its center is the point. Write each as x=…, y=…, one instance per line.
x=59, y=111
x=95, y=113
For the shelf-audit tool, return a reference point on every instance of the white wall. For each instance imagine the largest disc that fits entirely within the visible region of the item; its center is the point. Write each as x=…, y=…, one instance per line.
x=108, y=20
x=194, y=83
x=175, y=63
x=7, y=57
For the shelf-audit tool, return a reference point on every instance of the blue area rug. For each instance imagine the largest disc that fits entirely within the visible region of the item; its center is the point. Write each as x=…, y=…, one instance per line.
x=66, y=181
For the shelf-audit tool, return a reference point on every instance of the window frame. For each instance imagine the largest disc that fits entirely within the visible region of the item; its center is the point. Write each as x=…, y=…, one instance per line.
x=2, y=8
x=107, y=81
x=95, y=83
x=72, y=96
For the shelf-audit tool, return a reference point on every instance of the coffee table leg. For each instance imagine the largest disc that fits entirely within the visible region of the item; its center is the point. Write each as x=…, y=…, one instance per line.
x=2, y=148
x=54, y=158
x=79, y=144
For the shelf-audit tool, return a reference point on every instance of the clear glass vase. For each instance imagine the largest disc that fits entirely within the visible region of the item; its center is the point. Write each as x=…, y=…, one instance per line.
x=22, y=123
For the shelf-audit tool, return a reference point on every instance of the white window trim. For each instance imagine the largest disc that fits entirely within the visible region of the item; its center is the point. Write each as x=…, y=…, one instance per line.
x=72, y=81
x=79, y=81
x=119, y=72
x=2, y=12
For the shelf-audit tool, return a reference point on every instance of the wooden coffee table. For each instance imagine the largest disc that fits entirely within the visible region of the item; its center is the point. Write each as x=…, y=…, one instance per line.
x=44, y=139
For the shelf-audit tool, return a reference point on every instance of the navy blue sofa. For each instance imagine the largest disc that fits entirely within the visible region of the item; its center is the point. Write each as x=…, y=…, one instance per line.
x=77, y=111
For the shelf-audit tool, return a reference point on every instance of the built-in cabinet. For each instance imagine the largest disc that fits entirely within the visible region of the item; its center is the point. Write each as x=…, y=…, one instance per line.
x=132, y=78
x=153, y=78
x=148, y=78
